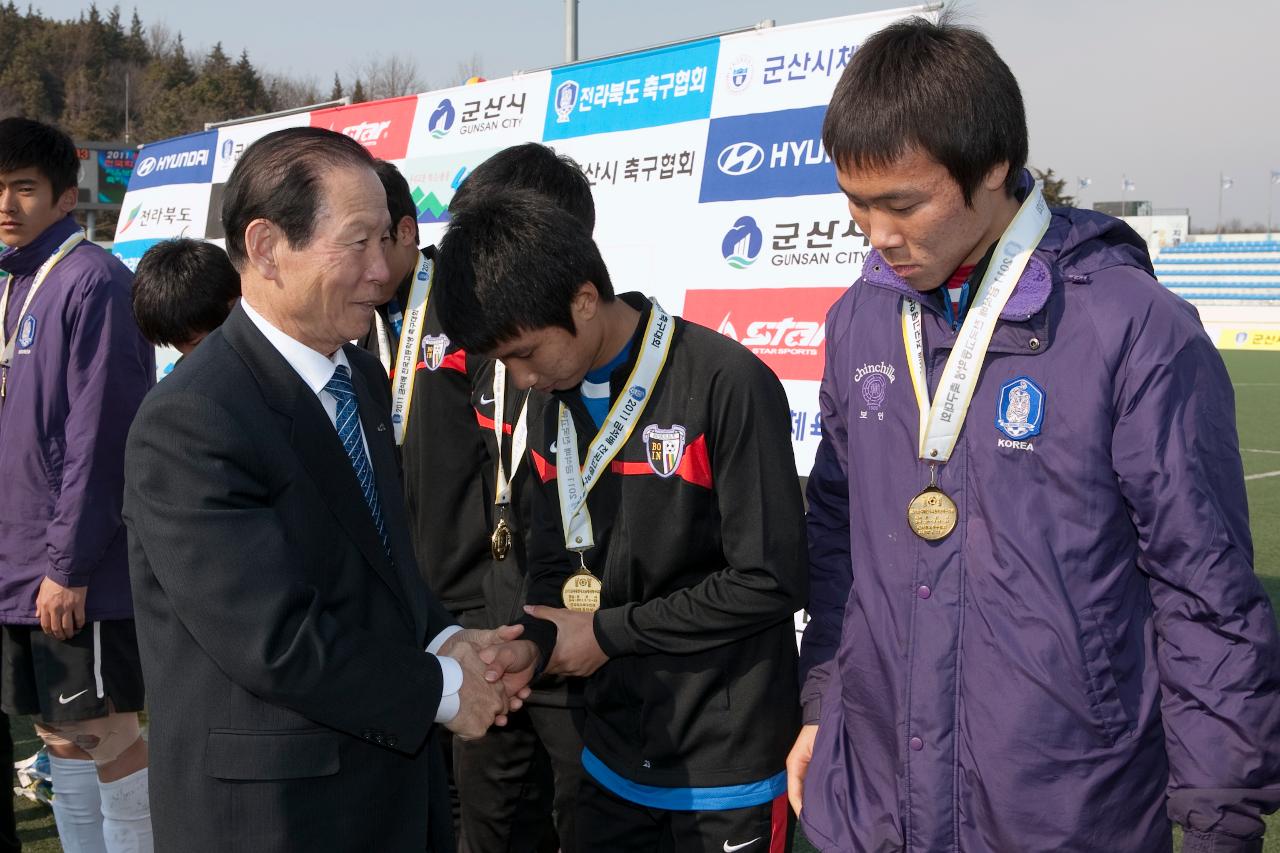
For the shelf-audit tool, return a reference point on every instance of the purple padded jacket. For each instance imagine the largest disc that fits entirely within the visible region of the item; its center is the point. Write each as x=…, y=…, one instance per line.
x=1089, y=654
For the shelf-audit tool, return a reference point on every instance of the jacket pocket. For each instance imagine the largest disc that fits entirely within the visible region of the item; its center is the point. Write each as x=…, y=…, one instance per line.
x=272, y=755
x=1100, y=681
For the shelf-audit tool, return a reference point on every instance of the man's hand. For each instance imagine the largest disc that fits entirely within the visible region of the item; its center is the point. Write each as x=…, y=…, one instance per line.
x=60, y=609
x=509, y=665
x=480, y=704
x=798, y=766
x=577, y=652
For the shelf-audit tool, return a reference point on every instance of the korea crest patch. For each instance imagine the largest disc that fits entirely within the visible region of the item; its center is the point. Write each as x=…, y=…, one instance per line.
x=434, y=348
x=1020, y=409
x=26, y=332
x=664, y=447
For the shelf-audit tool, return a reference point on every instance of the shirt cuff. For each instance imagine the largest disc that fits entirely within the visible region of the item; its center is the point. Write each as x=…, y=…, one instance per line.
x=434, y=645
x=451, y=677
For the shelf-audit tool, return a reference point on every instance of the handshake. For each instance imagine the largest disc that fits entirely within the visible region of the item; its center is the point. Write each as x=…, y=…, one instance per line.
x=497, y=667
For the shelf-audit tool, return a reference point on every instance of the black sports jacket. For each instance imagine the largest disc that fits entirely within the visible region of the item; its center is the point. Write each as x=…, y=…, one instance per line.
x=700, y=543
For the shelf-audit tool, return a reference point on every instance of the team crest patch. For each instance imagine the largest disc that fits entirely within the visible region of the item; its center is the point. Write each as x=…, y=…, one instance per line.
x=664, y=447
x=1020, y=409
x=434, y=348
x=26, y=332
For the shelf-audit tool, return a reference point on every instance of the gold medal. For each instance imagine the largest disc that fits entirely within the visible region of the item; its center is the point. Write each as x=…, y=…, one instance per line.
x=932, y=514
x=500, y=539
x=581, y=592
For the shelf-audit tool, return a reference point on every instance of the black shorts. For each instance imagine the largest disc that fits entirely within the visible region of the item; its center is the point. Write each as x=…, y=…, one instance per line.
x=94, y=673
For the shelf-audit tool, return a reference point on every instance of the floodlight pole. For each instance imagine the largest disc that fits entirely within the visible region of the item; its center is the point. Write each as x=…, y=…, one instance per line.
x=1219, y=204
x=1271, y=198
x=570, y=31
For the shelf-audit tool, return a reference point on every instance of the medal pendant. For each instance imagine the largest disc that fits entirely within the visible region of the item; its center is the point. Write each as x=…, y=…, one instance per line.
x=581, y=592
x=500, y=539
x=932, y=514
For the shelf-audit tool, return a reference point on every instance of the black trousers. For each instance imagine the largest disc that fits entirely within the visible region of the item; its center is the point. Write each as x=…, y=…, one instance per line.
x=517, y=785
x=8, y=825
x=610, y=824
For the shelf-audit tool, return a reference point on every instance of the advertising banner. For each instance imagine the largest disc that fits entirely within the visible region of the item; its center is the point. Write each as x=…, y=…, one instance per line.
x=713, y=192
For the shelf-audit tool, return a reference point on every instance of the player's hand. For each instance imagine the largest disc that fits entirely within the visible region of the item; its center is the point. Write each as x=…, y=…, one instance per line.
x=480, y=703
x=60, y=609
x=798, y=766
x=502, y=663
x=577, y=652
x=513, y=663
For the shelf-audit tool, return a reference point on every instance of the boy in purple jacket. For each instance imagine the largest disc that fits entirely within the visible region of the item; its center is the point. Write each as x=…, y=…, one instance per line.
x=1035, y=622
x=73, y=372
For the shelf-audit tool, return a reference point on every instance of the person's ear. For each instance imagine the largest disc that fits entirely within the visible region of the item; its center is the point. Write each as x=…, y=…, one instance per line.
x=995, y=177
x=262, y=241
x=407, y=231
x=67, y=201
x=586, y=302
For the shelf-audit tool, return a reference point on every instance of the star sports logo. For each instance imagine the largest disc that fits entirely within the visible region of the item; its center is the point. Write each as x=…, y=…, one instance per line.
x=784, y=327
x=367, y=133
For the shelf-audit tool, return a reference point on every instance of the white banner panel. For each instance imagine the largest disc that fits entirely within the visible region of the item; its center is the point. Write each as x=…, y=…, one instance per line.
x=712, y=189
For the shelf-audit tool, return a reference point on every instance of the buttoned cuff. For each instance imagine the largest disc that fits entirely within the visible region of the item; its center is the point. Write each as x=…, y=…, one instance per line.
x=450, y=702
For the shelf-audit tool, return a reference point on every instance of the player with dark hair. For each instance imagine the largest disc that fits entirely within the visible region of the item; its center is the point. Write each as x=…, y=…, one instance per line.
x=1035, y=623
x=182, y=290
x=73, y=372
x=665, y=569
x=465, y=480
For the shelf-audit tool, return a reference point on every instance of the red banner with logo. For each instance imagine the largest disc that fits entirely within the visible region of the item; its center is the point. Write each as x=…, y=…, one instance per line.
x=382, y=126
x=785, y=328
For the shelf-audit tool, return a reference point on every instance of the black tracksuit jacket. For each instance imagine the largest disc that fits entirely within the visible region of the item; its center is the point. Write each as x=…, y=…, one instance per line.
x=703, y=564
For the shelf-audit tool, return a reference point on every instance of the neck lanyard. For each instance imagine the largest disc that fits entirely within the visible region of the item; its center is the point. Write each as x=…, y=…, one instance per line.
x=574, y=483
x=500, y=539
x=7, y=343
x=407, y=354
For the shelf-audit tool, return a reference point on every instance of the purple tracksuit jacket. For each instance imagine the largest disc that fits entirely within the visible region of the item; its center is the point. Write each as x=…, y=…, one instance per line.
x=78, y=376
x=1089, y=654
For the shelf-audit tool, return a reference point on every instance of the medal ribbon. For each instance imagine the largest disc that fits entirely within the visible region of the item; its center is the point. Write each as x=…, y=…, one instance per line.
x=407, y=354
x=574, y=483
x=519, y=435
x=6, y=286
x=941, y=420
x=60, y=253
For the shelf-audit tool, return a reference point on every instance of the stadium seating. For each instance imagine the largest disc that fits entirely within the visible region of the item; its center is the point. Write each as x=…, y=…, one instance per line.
x=1226, y=272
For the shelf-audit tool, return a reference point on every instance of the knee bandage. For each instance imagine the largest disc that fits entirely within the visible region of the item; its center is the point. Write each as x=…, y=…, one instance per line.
x=104, y=738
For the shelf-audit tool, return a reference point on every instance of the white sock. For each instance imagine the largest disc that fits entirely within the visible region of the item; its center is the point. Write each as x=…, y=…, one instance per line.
x=76, y=805
x=126, y=814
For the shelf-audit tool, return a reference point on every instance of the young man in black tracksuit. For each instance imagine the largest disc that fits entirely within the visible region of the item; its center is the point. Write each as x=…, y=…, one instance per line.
x=510, y=783
x=678, y=539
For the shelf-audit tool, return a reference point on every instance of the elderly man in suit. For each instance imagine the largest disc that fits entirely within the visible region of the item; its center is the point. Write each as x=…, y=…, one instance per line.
x=295, y=662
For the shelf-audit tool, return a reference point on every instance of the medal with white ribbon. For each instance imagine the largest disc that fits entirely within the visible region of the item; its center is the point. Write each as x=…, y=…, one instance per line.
x=407, y=355
x=500, y=539
x=582, y=590
x=7, y=343
x=932, y=514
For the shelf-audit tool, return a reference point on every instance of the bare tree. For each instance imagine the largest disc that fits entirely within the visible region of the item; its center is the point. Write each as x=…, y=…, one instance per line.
x=390, y=77
x=472, y=66
x=289, y=92
x=160, y=39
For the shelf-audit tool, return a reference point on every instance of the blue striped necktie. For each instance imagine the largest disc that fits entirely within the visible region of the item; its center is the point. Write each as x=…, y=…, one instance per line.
x=348, y=424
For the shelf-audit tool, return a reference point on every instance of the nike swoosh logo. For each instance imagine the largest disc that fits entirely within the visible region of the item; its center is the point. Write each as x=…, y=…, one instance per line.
x=484, y=401
x=729, y=848
x=553, y=446
x=65, y=699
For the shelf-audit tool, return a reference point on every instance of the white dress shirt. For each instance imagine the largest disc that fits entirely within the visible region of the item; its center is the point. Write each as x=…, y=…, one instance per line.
x=316, y=369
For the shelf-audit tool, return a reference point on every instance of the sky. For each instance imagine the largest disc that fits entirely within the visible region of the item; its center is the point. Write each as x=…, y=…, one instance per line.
x=1170, y=93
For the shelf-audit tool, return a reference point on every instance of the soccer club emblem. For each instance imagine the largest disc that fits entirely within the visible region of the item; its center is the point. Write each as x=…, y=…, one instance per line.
x=664, y=447
x=26, y=332
x=1020, y=409
x=566, y=100
x=433, y=350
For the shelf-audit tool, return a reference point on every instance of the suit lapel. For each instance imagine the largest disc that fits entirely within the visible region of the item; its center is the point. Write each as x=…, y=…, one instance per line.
x=316, y=442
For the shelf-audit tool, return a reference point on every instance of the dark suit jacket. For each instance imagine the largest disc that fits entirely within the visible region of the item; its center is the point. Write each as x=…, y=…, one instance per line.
x=291, y=698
